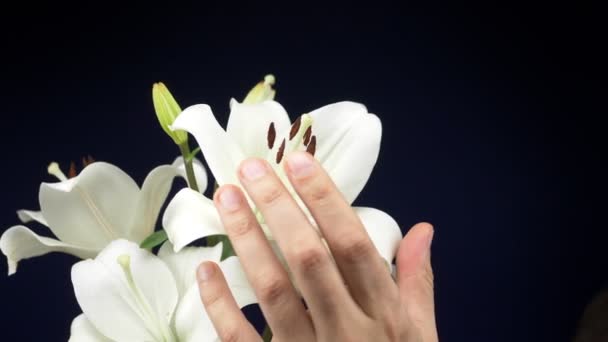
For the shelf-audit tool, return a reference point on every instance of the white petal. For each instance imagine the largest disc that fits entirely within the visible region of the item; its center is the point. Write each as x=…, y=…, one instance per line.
x=117, y=309
x=91, y=209
x=222, y=153
x=248, y=125
x=199, y=172
x=83, y=331
x=150, y=199
x=190, y=216
x=191, y=320
x=349, y=151
x=19, y=243
x=29, y=215
x=331, y=122
x=183, y=264
x=192, y=323
x=383, y=231
x=237, y=282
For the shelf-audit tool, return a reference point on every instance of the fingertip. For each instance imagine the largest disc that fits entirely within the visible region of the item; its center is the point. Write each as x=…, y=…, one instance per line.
x=206, y=270
x=414, y=249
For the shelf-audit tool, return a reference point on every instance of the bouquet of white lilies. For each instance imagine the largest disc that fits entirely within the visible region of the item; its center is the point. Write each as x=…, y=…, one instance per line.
x=138, y=284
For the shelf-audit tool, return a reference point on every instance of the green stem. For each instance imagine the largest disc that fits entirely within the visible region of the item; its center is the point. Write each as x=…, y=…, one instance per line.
x=185, y=149
x=267, y=334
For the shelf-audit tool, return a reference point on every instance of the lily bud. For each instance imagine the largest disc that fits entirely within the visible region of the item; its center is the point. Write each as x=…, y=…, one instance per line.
x=262, y=91
x=167, y=111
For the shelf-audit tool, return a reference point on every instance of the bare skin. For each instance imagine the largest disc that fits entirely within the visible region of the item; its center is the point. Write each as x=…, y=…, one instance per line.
x=352, y=299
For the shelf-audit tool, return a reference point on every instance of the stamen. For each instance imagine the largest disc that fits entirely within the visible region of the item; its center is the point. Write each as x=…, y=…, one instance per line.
x=87, y=161
x=295, y=128
x=281, y=152
x=307, y=135
x=72, y=171
x=54, y=170
x=272, y=134
x=312, y=146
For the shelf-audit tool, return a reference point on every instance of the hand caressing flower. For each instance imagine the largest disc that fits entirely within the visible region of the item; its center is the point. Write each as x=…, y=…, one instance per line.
x=343, y=137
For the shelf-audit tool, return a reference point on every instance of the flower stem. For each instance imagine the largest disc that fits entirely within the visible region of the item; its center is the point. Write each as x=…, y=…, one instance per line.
x=267, y=334
x=185, y=149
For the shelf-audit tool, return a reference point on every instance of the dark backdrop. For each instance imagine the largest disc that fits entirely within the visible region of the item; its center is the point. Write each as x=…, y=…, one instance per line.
x=490, y=116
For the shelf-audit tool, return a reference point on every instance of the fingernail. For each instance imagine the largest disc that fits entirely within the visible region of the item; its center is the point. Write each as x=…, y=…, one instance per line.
x=300, y=164
x=253, y=169
x=205, y=271
x=229, y=199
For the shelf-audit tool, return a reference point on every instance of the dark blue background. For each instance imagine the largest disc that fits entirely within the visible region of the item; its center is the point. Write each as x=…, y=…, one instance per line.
x=491, y=132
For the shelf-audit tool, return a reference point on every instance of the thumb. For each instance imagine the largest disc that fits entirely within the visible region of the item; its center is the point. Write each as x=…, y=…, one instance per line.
x=415, y=279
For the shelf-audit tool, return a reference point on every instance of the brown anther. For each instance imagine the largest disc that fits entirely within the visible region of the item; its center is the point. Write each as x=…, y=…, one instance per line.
x=307, y=135
x=295, y=128
x=312, y=146
x=272, y=134
x=281, y=151
x=72, y=171
x=90, y=160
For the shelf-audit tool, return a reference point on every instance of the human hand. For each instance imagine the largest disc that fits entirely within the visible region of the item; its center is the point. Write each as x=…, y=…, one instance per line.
x=350, y=298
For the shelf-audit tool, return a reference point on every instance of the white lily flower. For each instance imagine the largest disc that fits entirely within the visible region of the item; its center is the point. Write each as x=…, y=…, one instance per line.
x=87, y=212
x=343, y=136
x=128, y=294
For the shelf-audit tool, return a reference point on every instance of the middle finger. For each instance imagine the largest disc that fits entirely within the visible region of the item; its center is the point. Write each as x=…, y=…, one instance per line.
x=312, y=267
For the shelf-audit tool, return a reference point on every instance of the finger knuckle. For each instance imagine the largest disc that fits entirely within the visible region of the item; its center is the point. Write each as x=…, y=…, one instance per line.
x=230, y=333
x=310, y=258
x=354, y=249
x=271, y=289
x=320, y=193
x=211, y=299
x=240, y=226
x=271, y=196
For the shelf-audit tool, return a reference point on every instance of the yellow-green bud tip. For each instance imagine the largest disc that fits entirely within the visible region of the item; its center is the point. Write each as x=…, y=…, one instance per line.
x=167, y=110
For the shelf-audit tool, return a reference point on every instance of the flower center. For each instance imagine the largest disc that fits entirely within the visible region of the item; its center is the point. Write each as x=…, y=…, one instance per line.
x=300, y=139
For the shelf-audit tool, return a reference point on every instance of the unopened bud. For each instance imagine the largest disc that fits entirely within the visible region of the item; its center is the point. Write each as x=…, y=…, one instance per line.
x=167, y=111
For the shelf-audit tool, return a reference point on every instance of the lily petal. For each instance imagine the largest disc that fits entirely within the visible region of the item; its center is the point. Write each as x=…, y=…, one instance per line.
x=123, y=308
x=222, y=154
x=192, y=323
x=237, y=281
x=190, y=216
x=382, y=229
x=183, y=264
x=19, y=243
x=199, y=172
x=248, y=125
x=91, y=209
x=348, y=144
x=331, y=122
x=29, y=215
x=191, y=320
x=83, y=331
x=153, y=193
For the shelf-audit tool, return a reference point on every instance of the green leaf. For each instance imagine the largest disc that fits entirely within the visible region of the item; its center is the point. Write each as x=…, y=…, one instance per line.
x=227, y=249
x=267, y=334
x=192, y=154
x=154, y=239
